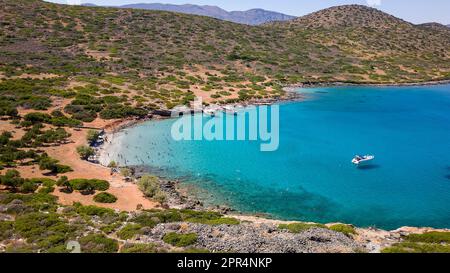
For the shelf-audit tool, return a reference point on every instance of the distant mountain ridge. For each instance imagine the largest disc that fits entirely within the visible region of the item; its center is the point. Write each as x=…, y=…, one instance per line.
x=249, y=17
x=436, y=27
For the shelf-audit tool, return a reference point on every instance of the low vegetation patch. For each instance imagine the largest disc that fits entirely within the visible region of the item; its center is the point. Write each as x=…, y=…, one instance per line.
x=85, y=152
x=342, y=228
x=180, y=240
x=96, y=243
x=6, y=229
x=129, y=231
x=142, y=248
x=207, y=218
x=300, y=227
x=47, y=231
x=93, y=210
x=89, y=184
x=430, y=242
x=149, y=185
x=105, y=197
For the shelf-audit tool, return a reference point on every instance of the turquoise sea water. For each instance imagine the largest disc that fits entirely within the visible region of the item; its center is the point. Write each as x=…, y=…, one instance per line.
x=310, y=177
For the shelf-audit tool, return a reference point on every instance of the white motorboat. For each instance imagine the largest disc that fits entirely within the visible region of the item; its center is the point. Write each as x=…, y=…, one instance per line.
x=212, y=110
x=359, y=160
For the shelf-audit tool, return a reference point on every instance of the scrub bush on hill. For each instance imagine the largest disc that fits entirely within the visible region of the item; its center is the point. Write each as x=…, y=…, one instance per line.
x=92, y=136
x=7, y=110
x=85, y=152
x=6, y=230
x=429, y=242
x=430, y=237
x=46, y=230
x=151, y=218
x=81, y=112
x=180, y=240
x=58, y=120
x=120, y=111
x=96, y=243
x=48, y=163
x=105, y=197
x=300, y=227
x=346, y=229
x=141, y=248
x=37, y=117
x=12, y=180
x=15, y=183
x=57, y=136
x=84, y=184
x=208, y=218
x=149, y=185
x=65, y=121
x=129, y=231
x=93, y=210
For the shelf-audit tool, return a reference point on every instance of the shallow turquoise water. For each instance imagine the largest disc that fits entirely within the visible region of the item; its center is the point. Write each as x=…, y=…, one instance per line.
x=310, y=176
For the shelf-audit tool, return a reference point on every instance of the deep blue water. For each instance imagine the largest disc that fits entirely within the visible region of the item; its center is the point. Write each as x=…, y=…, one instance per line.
x=310, y=176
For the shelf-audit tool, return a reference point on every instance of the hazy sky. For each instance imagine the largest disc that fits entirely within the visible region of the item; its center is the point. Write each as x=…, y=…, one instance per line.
x=416, y=11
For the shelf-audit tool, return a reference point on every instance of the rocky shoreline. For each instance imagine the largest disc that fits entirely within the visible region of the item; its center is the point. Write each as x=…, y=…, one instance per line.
x=259, y=234
x=291, y=88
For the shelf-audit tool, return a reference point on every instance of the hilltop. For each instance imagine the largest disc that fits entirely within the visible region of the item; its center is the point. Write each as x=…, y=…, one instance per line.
x=249, y=17
x=348, y=43
x=346, y=16
x=436, y=27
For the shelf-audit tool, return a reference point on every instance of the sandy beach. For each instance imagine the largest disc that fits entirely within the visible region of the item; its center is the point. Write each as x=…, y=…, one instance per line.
x=128, y=194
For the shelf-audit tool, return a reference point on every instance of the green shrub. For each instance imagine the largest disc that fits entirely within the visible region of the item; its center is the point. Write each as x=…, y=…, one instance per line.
x=110, y=228
x=92, y=136
x=95, y=243
x=47, y=163
x=141, y=248
x=46, y=182
x=429, y=242
x=167, y=216
x=65, y=121
x=145, y=220
x=105, y=197
x=36, y=117
x=93, y=210
x=34, y=201
x=430, y=237
x=207, y=218
x=99, y=185
x=149, y=185
x=21, y=248
x=12, y=179
x=411, y=247
x=46, y=189
x=346, y=229
x=6, y=230
x=129, y=231
x=81, y=184
x=180, y=240
x=85, y=152
x=46, y=230
x=215, y=222
x=28, y=187
x=300, y=227
x=121, y=111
